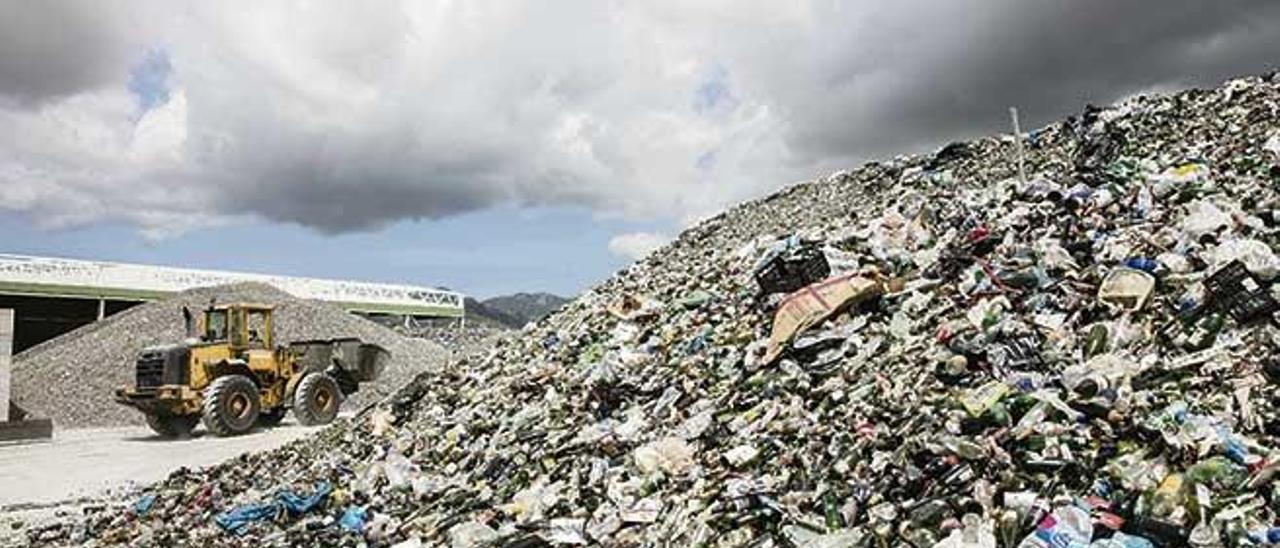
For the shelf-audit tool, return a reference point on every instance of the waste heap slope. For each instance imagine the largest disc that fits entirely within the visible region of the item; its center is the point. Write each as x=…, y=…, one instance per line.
x=72, y=378
x=971, y=360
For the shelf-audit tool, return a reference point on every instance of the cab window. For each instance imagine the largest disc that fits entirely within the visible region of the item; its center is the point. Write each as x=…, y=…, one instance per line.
x=235, y=326
x=259, y=336
x=215, y=325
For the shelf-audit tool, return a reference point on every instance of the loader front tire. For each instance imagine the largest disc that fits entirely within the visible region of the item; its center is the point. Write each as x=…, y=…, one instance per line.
x=172, y=426
x=317, y=399
x=231, y=405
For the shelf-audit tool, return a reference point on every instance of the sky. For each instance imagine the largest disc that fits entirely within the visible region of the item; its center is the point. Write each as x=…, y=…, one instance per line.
x=520, y=145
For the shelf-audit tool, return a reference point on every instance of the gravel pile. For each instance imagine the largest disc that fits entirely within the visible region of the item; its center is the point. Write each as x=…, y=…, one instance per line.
x=71, y=378
x=1082, y=358
x=475, y=336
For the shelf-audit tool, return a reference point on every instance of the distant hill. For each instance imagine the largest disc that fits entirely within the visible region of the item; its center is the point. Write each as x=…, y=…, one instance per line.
x=522, y=308
x=479, y=313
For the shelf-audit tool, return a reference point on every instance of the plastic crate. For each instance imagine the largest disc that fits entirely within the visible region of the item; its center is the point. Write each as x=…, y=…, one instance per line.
x=793, y=270
x=1232, y=289
x=1018, y=353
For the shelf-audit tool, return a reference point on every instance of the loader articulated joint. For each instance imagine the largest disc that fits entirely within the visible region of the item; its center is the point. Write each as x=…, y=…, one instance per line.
x=233, y=367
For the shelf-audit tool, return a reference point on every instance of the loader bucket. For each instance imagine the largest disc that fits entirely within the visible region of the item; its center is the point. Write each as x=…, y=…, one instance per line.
x=373, y=359
x=362, y=361
x=313, y=355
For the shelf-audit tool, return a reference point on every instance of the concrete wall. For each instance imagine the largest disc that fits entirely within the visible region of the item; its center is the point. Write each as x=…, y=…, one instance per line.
x=6, y=350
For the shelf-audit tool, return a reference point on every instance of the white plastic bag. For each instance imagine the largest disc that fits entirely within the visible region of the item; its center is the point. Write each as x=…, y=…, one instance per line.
x=1257, y=257
x=1065, y=527
x=1204, y=218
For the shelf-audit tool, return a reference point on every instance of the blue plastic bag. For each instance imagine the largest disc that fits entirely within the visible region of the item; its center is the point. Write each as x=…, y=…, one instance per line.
x=238, y=519
x=353, y=519
x=144, y=505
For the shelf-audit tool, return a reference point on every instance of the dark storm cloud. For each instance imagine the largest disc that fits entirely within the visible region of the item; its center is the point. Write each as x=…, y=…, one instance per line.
x=55, y=48
x=352, y=116
x=1049, y=58
x=359, y=192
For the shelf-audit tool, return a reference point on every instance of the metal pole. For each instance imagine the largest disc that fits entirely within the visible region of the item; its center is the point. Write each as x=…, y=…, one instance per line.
x=1017, y=144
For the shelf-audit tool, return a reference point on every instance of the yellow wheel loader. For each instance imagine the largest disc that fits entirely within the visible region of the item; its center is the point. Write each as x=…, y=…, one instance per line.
x=230, y=375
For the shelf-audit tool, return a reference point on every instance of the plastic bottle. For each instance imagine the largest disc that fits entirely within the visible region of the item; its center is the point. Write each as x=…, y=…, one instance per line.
x=1266, y=536
x=1216, y=471
x=831, y=510
x=1206, y=332
x=1163, y=533
x=1160, y=532
x=1168, y=497
x=1096, y=341
x=999, y=415
x=1144, y=264
x=1091, y=385
x=399, y=470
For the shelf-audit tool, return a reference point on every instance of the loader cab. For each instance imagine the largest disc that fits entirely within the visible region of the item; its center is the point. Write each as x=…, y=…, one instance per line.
x=242, y=326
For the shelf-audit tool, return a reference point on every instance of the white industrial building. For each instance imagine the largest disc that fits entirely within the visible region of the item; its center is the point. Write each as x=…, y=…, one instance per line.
x=70, y=278
x=52, y=296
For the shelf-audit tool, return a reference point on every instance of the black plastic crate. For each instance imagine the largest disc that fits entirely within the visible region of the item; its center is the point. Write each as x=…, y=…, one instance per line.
x=793, y=269
x=1232, y=289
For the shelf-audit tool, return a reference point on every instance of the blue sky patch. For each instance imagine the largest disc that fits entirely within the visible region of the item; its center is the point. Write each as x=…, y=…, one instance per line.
x=483, y=253
x=713, y=93
x=149, y=80
x=706, y=161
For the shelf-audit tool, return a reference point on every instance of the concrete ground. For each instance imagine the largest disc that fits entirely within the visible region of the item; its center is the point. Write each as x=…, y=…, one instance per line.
x=88, y=462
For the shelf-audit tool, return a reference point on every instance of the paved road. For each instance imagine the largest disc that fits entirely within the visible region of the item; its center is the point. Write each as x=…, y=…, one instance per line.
x=80, y=463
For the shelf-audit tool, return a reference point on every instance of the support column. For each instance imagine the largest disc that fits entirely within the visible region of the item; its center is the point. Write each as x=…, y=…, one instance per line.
x=16, y=426
x=6, y=362
x=102, y=309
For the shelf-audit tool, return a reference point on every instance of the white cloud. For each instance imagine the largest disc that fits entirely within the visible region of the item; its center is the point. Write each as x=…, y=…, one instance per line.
x=348, y=116
x=637, y=245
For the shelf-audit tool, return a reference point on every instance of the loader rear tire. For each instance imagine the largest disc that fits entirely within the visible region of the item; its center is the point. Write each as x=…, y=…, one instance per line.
x=172, y=426
x=231, y=405
x=317, y=399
